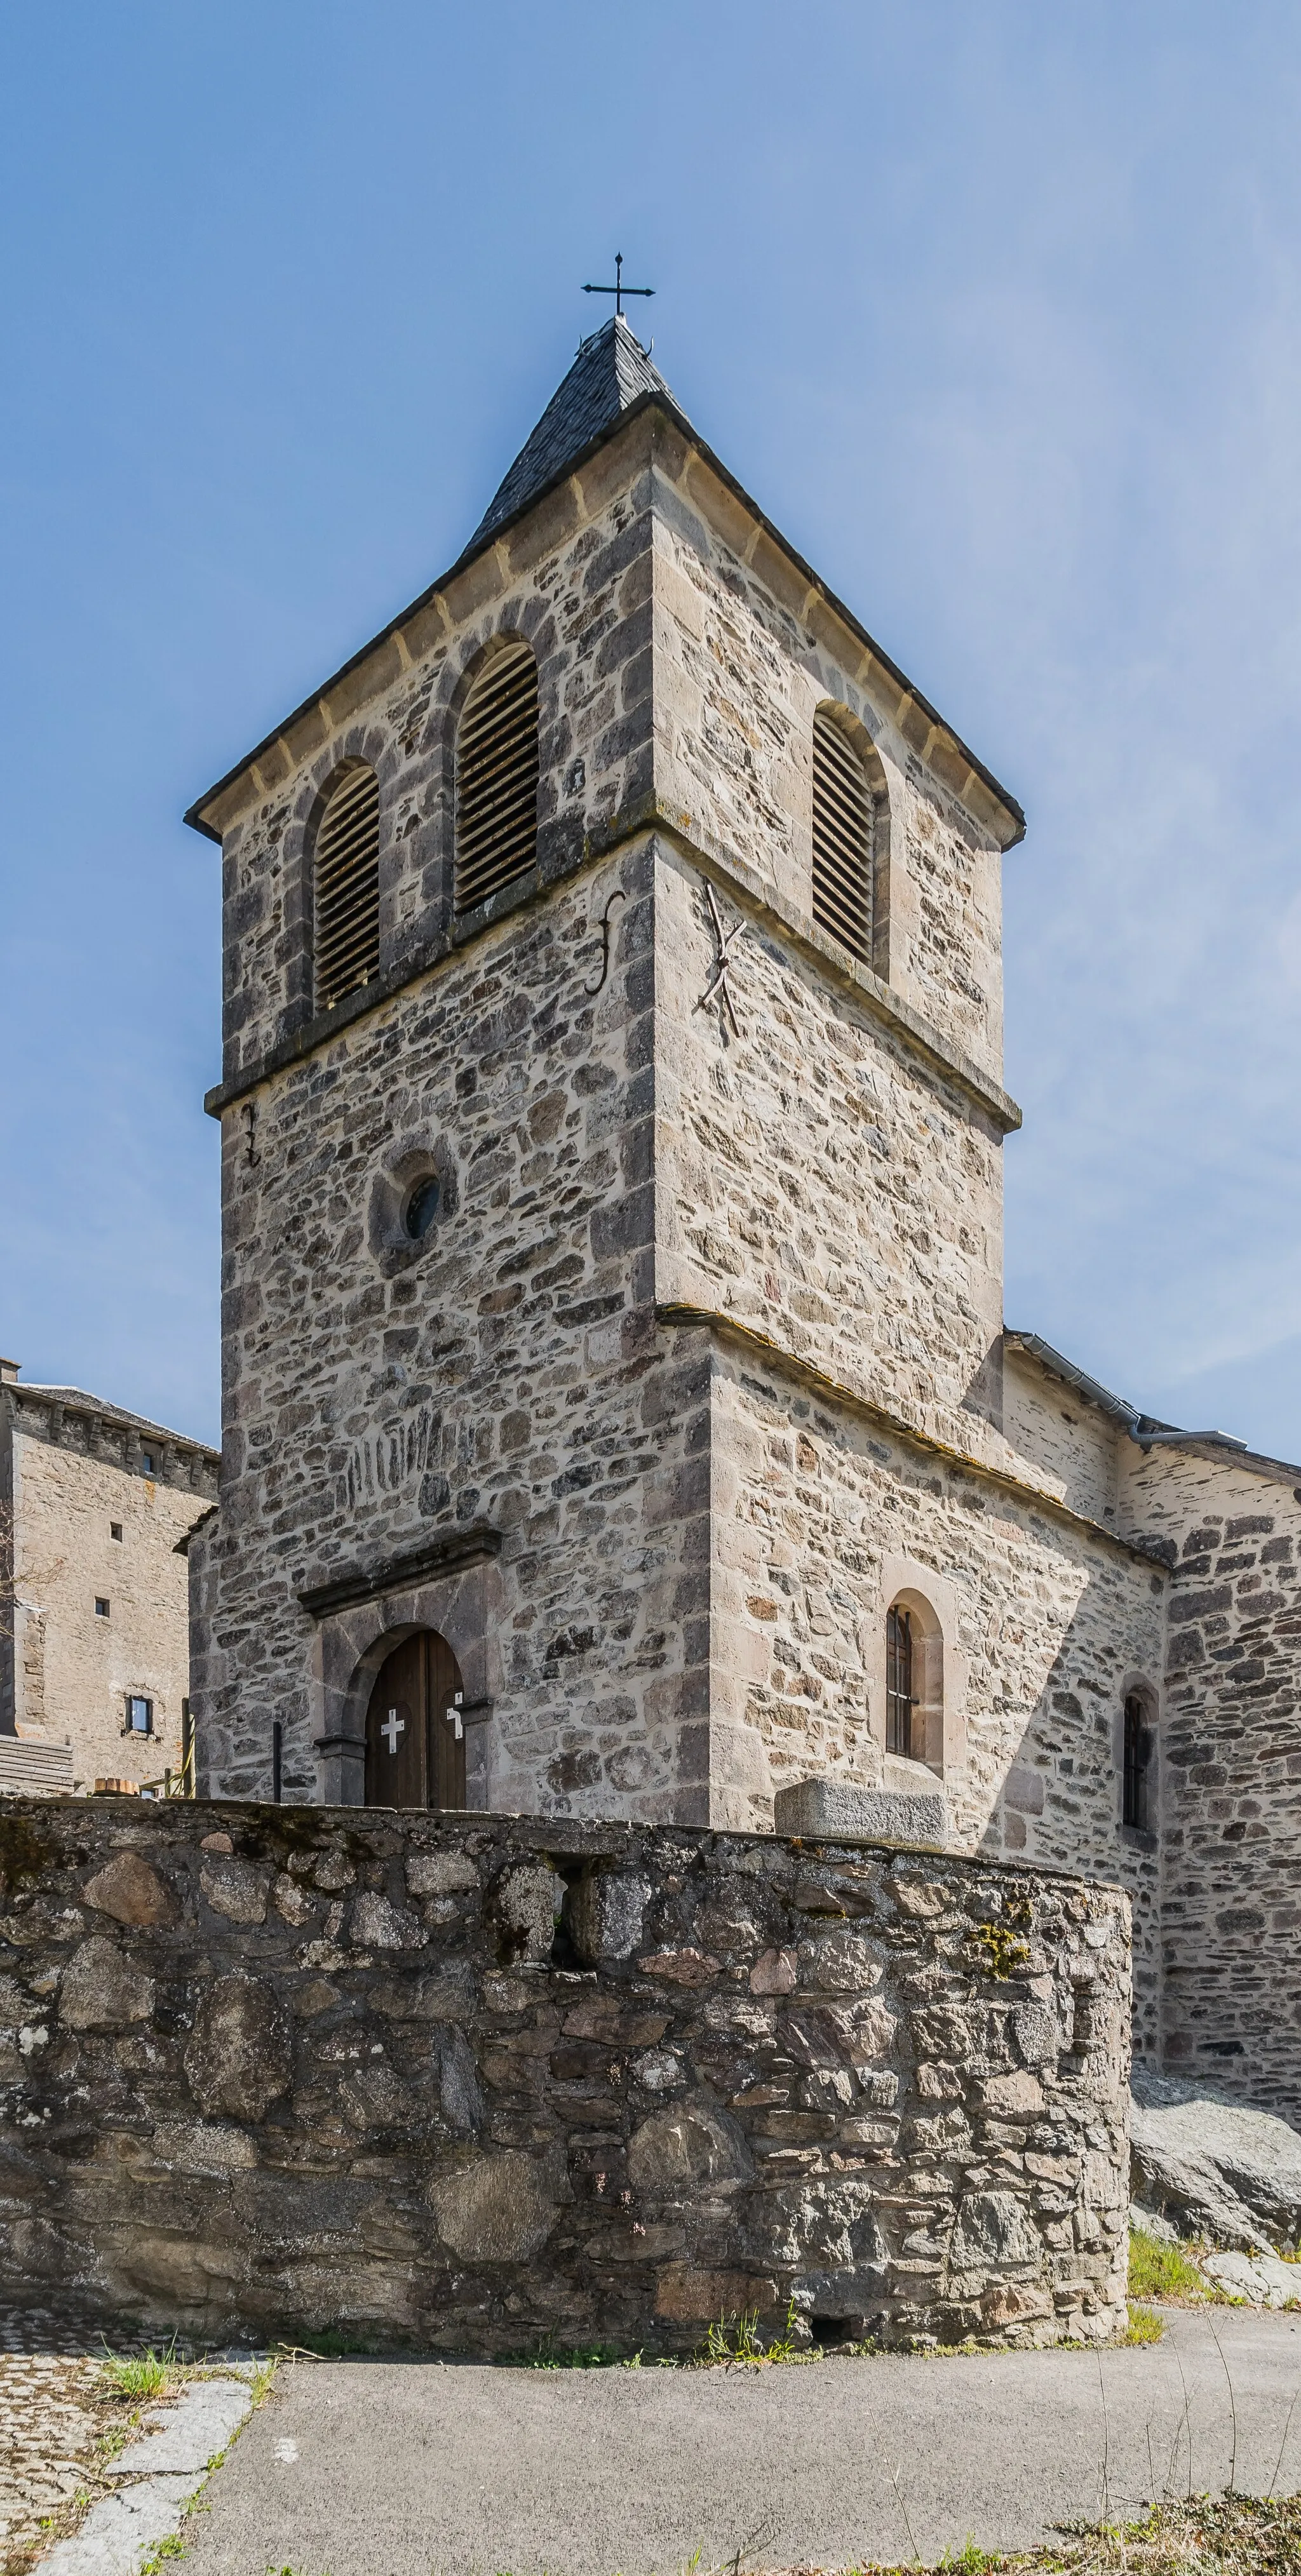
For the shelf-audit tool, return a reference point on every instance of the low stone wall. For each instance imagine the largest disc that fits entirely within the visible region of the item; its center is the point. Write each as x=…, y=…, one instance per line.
x=471, y=2083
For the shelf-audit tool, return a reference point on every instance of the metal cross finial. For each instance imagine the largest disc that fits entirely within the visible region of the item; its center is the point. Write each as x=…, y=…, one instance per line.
x=618, y=290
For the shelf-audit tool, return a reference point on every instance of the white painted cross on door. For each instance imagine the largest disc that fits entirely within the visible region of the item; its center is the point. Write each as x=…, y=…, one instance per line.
x=392, y=1728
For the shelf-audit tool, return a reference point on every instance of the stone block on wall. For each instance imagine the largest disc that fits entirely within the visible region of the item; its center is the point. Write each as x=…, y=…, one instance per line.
x=837, y=1811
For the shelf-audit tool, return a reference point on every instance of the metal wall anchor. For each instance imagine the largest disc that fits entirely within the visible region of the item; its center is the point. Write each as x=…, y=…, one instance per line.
x=592, y=990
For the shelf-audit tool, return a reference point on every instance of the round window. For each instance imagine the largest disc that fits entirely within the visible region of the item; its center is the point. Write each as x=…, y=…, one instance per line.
x=422, y=1207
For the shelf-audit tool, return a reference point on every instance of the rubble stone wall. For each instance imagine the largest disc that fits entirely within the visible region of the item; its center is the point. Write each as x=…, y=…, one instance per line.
x=821, y=1520
x=745, y=652
x=504, y=1371
x=1063, y=1438
x=814, y=1178
x=1228, y=1769
x=475, y=2084
x=575, y=580
x=70, y=1476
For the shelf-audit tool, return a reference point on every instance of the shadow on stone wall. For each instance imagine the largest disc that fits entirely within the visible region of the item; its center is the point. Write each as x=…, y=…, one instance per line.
x=468, y=2083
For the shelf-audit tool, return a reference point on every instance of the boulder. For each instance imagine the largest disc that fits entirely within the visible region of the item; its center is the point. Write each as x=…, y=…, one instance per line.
x=458, y=2079
x=527, y=1904
x=440, y=1873
x=1212, y=2166
x=378, y=1925
x=993, y=2228
x=692, y=2147
x=694, y=2297
x=1264, y=2280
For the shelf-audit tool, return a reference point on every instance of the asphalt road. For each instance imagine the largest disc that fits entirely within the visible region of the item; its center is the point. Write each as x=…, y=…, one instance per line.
x=399, y=2468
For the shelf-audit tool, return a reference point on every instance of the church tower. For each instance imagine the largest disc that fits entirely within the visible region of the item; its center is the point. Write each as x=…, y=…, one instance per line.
x=612, y=1117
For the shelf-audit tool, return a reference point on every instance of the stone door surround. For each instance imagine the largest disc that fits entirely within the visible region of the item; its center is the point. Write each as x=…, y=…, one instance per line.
x=452, y=1585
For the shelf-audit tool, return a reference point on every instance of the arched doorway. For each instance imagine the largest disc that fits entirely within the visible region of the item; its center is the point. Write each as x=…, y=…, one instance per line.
x=415, y=1740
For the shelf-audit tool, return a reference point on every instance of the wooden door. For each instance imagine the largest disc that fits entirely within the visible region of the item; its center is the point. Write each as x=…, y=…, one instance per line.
x=415, y=1745
x=446, y=1730
x=397, y=1752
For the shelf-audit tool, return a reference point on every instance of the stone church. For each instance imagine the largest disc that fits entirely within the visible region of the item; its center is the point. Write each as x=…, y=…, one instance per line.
x=619, y=1418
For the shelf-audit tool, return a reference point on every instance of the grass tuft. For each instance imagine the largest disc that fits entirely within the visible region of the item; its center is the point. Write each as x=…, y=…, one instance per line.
x=550, y=2355
x=1145, y=2326
x=732, y=2339
x=1160, y=2271
x=140, y=2375
x=172, y=2546
x=1231, y=2535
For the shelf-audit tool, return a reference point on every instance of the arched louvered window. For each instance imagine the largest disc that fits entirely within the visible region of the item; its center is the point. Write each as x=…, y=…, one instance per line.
x=346, y=887
x=497, y=777
x=842, y=837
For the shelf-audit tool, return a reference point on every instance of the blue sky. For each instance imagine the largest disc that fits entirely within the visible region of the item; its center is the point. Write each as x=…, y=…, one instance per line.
x=995, y=309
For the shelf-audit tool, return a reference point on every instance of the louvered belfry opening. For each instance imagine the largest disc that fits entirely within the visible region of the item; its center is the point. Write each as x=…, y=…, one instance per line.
x=497, y=777
x=842, y=838
x=347, y=887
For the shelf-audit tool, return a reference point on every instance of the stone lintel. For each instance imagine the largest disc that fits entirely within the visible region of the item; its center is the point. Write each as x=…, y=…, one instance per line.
x=397, y=1573
x=837, y=1811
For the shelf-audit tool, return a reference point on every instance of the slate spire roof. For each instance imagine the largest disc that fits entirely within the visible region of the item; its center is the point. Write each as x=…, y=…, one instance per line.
x=610, y=373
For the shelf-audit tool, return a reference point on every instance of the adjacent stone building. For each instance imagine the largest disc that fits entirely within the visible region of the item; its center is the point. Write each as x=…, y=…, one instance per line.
x=619, y=1420
x=95, y=1507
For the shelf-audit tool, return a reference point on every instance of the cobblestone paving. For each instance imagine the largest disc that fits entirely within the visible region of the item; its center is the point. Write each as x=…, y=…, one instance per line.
x=53, y=2412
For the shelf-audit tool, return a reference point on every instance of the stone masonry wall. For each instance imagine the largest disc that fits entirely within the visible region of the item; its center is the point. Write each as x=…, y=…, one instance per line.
x=744, y=654
x=575, y=580
x=81, y=1665
x=821, y=1519
x=681, y=657
x=814, y=1180
x=473, y=2085
x=1229, y=1769
x=506, y=1370
x=1062, y=1437
x=70, y=1476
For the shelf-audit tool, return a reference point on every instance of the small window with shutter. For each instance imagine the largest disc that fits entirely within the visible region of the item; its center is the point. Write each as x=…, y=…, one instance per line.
x=497, y=777
x=842, y=837
x=346, y=887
